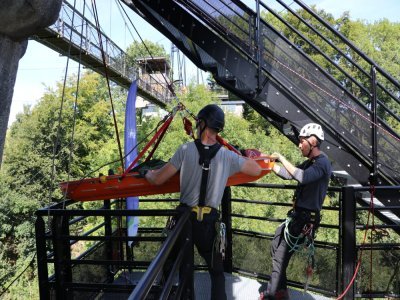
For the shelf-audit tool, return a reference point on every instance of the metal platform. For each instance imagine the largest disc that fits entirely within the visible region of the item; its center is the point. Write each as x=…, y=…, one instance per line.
x=242, y=288
x=237, y=287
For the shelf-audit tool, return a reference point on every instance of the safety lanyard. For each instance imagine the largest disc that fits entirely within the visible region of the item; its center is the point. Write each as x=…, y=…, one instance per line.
x=206, y=153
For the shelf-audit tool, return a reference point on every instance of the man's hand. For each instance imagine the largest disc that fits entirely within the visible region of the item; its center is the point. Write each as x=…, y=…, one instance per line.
x=285, y=163
x=276, y=156
x=142, y=172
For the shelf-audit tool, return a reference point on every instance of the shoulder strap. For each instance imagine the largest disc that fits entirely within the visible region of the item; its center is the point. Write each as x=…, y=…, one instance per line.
x=206, y=153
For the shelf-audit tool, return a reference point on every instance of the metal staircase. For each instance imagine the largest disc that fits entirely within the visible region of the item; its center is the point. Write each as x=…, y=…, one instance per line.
x=279, y=77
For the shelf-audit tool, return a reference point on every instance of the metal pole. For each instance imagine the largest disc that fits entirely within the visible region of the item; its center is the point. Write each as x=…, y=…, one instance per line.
x=62, y=256
x=374, y=132
x=226, y=210
x=108, y=243
x=43, y=273
x=258, y=44
x=348, y=233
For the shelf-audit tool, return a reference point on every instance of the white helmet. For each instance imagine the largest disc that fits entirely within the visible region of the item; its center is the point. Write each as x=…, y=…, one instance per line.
x=312, y=129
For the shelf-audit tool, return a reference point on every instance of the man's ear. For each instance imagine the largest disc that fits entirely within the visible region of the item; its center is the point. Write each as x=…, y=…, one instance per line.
x=314, y=141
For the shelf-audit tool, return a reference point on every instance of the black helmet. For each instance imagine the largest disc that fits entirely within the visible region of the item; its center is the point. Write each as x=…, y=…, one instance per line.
x=213, y=116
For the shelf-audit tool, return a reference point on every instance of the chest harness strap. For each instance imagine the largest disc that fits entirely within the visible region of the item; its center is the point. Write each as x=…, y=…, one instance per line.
x=206, y=153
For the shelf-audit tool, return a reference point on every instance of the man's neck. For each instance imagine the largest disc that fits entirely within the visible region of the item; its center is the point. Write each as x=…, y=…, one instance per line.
x=208, y=139
x=314, y=153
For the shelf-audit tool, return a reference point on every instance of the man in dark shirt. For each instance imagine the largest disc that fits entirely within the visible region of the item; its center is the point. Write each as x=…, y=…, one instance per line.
x=313, y=177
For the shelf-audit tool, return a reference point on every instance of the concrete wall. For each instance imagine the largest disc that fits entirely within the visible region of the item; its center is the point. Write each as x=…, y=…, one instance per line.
x=19, y=19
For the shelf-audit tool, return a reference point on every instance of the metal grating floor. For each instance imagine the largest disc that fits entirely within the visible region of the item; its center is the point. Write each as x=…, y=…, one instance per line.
x=237, y=287
x=242, y=288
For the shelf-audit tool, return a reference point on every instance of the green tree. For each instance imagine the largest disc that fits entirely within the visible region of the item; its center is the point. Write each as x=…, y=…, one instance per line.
x=47, y=145
x=139, y=50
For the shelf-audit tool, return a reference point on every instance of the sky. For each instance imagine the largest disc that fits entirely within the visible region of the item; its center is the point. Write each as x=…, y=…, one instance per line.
x=41, y=67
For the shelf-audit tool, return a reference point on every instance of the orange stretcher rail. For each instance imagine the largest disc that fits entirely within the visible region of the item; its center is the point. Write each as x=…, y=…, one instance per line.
x=113, y=187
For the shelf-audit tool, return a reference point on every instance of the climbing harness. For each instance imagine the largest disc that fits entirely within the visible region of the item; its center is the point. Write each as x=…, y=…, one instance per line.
x=206, y=154
x=200, y=211
x=305, y=240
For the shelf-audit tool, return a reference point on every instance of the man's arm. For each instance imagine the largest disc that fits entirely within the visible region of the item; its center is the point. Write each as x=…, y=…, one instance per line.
x=250, y=167
x=285, y=163
x=158, y=177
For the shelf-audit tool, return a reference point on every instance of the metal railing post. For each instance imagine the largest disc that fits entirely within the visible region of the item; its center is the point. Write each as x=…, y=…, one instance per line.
x=188, y=262
x=374, y=132
x=108, y=243
x=43, y=273
x=62, y=256
x=348, y=240
x=226, y=210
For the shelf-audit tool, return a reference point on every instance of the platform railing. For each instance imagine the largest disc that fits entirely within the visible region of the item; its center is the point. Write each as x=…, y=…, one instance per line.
x=77, y=263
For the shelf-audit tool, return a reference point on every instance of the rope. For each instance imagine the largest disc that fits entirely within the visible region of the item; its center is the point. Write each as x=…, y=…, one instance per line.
x=303, y=241
x=297, y=243
x=167, y=121
x=367, y=228
x=57, y=143
x=71, y=144
x=130, y=151
x=96, y=17
x=169, y=85
x=19, y=275
x=335, y=98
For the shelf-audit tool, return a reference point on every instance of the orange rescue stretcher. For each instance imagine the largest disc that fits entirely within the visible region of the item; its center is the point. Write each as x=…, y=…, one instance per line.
x=130, y=183
x=113, y=186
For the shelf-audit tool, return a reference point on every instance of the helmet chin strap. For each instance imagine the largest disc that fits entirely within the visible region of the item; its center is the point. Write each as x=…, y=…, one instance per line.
x=201, y=131
x=311, y=148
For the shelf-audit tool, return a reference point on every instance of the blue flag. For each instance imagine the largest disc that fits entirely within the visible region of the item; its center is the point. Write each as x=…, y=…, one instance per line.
x=130, y=143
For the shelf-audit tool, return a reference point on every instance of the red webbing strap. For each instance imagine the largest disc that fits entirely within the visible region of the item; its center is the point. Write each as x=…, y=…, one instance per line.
x=187, y=125
x=158, y=141
x=160, y=131
x=227, y=145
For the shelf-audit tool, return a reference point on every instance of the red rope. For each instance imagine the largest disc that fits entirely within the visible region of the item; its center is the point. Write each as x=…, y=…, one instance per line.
x=365, y=117
x=227, y=145
x=373, y=229
x=160, y=134
x=189, y=130
x=371, y=209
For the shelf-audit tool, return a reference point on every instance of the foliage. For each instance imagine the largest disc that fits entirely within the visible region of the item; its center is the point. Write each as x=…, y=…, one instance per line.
x=76, y=140
x=139, y=50
x=70, y=135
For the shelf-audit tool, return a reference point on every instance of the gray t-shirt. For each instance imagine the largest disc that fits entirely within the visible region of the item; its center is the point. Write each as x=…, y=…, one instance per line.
x=224, y=164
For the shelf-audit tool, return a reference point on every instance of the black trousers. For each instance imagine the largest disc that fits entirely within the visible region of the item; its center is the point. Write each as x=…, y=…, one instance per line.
x=281, y=254
x=203, y=236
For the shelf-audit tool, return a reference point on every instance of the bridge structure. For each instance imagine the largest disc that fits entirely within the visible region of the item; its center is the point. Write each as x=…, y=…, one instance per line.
x=291, y=80
x=76, y=37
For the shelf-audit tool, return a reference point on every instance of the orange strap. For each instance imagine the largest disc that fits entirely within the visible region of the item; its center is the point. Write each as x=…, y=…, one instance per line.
x=160, y=132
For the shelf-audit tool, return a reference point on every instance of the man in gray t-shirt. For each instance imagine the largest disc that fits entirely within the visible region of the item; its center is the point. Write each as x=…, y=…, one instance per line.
x=225, y=163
